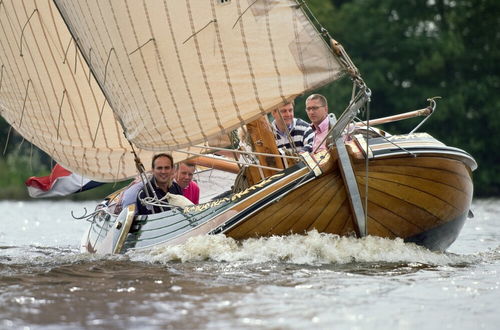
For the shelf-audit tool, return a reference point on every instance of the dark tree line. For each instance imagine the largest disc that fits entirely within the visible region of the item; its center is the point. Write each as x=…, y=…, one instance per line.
x=408, y=51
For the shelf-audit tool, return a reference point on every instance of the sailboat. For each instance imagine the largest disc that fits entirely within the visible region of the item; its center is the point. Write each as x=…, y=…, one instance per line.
x=101, y=85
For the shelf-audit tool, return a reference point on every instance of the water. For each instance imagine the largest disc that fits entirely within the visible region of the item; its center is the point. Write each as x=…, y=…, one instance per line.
x=295, y=282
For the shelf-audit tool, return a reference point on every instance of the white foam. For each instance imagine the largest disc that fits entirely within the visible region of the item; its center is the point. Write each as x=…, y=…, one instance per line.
x=312, y=248
x=50, y=257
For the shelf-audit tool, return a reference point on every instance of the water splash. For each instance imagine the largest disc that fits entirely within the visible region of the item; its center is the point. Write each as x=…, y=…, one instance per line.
x=311, y=249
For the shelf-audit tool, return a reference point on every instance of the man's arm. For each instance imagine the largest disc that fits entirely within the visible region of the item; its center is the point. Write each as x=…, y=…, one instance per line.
x=141, y=209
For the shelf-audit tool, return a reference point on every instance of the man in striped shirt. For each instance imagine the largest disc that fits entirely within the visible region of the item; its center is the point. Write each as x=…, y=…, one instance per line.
x=290, y=132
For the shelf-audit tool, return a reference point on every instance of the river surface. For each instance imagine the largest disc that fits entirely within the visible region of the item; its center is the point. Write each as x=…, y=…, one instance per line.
x=295, y=282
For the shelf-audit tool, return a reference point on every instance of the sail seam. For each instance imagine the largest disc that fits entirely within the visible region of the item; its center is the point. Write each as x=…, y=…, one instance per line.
x=119, y=69
x=22, y=32
x=299, y=51
x=167, y=82
x=155, y=93
x=224, y=64
x=249, y=62
x=181, y=67
x=203, y=71
x=97, y=107
x=273, y=53
x=85, y=115
x=29, y=52
x=138, y=86
x=46, y=97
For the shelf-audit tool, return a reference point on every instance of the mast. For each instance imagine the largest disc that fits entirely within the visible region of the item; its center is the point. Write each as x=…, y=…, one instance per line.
x=263, y=141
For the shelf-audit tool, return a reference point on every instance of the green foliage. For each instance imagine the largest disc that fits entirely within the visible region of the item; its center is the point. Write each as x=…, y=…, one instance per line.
x=13, y=172
x=408, y=51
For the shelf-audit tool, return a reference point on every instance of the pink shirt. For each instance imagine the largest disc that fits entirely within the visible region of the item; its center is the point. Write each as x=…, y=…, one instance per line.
x=192, y=192
x=320, y=133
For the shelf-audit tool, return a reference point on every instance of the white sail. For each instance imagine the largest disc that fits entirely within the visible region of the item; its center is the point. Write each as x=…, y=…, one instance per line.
x=168, y=74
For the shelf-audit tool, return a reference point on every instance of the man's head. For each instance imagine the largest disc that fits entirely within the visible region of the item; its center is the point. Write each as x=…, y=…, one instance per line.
x=162, y=165
x=184, y=174
x=286, y=111
x=316, y=108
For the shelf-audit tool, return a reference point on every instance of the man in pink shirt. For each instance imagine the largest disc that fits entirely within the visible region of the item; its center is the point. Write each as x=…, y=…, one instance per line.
x=317, y=111
x=184, y=177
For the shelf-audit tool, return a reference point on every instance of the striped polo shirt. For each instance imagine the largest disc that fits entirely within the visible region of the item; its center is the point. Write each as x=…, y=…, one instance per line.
x=300, y=133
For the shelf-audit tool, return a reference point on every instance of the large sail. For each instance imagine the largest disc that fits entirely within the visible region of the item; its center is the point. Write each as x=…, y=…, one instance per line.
x=76, y=75
x=48, y=95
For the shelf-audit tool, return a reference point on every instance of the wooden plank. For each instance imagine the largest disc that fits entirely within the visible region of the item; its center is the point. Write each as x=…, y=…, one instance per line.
x=403, y=200
x=394, y=223
x=445, y=177
x=263, y=141
x=277, y=216
x=377, y=229
x=342, y=223
x=270, y=189
x=312, y=206
x=438, y=162
x=439, y=190
x=441, y=209
x=266, y=219
x=329, y=214
x=414, y=214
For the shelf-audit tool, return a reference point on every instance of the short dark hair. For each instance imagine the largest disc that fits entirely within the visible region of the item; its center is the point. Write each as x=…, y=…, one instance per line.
x=155, y=157
x=319, y=97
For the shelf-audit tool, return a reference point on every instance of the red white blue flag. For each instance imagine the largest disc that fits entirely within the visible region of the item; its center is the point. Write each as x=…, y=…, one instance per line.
x=60, y=182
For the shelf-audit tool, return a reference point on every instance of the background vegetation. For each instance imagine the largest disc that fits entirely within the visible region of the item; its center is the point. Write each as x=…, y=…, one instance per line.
x=407, y=51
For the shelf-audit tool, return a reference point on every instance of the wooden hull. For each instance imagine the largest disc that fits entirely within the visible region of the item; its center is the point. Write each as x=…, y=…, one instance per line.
x=408, y=198
x=423, y=197
x=420, y=195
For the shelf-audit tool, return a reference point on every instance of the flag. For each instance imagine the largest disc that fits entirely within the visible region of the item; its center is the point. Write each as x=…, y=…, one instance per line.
x=60, y=182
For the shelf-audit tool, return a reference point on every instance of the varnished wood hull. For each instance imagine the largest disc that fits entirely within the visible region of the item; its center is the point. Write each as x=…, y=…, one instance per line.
x=422, y=195
x=410, y=198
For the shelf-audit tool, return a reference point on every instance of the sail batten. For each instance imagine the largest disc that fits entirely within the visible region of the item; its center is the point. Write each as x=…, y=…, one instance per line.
x=164, y=75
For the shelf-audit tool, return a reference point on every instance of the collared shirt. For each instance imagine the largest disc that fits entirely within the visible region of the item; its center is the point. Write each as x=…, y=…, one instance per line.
x=192, y=192
x=298, y=130
x=320, y=133
x=160, y=193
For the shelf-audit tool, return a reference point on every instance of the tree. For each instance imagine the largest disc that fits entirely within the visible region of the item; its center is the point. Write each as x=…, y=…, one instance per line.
x=408, y=51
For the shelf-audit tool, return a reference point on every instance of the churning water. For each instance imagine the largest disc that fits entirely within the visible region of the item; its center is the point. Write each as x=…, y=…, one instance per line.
x=213, y=282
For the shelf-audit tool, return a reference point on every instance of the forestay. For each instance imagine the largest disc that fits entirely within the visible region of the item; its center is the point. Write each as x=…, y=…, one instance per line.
x=168, y=74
